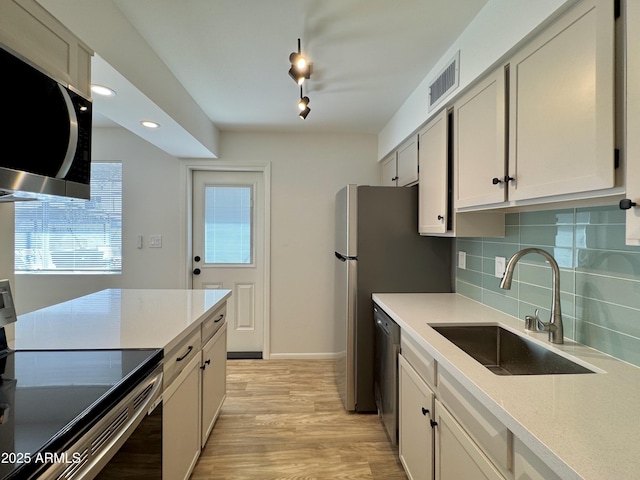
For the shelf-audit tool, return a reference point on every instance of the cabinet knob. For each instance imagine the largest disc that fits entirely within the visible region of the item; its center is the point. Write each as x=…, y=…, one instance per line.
x=496, y=181
x=424, y=411
x=433, y=423
x=394, y=179
x=507, y=178
x=440, y=217
x=626, y=204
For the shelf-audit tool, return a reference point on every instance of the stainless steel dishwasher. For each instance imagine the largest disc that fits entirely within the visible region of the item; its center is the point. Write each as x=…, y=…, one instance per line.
x=387, y=347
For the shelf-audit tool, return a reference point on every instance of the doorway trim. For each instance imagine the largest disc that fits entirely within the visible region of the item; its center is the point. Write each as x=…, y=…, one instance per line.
x=189, y=170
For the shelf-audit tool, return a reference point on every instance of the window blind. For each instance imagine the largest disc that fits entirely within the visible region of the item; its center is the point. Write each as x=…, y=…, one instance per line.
x=63, y=234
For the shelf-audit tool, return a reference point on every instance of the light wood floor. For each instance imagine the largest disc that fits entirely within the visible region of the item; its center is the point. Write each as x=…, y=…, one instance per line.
x=283, y=419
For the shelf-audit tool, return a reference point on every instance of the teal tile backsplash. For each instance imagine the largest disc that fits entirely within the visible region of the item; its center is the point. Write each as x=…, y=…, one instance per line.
x=599, y=275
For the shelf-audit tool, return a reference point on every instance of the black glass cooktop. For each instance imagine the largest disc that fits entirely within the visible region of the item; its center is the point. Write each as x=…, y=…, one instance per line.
x=49, y=398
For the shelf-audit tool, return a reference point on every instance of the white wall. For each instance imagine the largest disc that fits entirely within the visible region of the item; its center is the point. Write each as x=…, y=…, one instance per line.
x=306, y=173
x=498, y=27
x=151, y=204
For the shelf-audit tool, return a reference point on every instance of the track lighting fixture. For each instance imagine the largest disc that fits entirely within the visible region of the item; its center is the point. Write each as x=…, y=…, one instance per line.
x=299, y=71
x=300, y=66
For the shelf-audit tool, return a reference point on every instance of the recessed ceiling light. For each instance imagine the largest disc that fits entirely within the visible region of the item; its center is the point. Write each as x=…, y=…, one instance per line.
x=102, y=90
x=149, y=124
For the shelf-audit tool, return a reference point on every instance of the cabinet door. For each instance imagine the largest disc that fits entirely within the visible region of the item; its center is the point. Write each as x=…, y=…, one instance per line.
x=408, y=162
x=632, y=138
x=181, y=423
x=416, y=434
x=457, y=456
x=214, y=380
x=561, y=119
x=479, y=143
x=389, y=171
x=433, y=183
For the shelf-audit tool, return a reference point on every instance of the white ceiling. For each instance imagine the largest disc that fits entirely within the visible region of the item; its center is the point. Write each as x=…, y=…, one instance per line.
x=232, y=56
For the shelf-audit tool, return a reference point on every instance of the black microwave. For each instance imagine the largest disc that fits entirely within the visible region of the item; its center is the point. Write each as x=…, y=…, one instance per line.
x=45, y=133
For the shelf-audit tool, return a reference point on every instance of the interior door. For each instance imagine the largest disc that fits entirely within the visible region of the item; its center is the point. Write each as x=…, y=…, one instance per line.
x=228, y=251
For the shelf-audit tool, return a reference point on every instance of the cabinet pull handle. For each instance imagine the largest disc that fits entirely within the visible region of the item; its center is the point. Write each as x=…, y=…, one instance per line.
x=219, y=318
x=433, y=423
x=424, y=411
x=179, y=359
x=626, y=204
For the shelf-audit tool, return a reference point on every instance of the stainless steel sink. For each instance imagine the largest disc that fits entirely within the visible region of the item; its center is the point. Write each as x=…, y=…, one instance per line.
x=505, y=353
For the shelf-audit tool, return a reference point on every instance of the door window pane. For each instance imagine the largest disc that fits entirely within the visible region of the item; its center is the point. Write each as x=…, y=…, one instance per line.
x=228, y=225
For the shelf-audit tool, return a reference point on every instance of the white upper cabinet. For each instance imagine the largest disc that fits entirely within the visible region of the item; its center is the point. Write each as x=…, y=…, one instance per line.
x=432, y=186
x=389, y=171
x=632, y=138
x=33, y=33
x=479, y=149
x=561, y=108
x=400, y=168
x=407, y=166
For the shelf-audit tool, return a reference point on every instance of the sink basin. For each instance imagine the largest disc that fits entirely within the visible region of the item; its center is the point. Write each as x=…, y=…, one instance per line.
x=505, y=353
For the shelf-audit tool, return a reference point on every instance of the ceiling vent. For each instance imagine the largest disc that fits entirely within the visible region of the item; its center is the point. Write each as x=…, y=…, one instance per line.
x=445, y=82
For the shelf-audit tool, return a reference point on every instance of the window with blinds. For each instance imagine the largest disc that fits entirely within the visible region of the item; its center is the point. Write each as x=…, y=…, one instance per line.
x=63, y=234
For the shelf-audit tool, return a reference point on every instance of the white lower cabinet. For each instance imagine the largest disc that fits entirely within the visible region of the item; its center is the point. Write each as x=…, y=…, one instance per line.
x=181, y=423
x=415, y=416
x=214, y=385
x=457, y=455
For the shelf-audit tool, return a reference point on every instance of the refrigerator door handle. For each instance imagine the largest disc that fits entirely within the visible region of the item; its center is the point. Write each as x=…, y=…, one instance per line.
x=344, y=258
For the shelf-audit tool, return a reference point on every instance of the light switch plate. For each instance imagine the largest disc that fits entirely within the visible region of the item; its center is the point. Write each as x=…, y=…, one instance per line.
x=462, y=260
x=501, y=263
x=155, y=241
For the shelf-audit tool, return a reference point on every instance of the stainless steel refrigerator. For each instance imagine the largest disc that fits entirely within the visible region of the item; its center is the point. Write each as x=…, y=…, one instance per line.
x=377, y=250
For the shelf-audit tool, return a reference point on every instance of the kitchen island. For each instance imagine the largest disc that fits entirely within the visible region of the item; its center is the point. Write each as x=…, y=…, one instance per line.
x=573, y=426
x=186, y=327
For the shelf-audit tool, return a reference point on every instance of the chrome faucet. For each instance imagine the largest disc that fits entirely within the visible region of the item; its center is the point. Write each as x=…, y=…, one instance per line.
x=554, y=325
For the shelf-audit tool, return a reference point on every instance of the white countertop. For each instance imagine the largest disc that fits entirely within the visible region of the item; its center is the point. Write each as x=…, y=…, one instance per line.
x=582, y=426
x=114, y=318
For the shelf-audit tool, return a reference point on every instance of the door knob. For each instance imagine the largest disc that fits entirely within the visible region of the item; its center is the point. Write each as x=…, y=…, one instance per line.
x=196, y=258
x=196, y=271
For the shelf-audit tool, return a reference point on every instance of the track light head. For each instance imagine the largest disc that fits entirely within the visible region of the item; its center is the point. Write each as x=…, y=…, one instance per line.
x=302, y=104
x=303, y=114
x=298, y=61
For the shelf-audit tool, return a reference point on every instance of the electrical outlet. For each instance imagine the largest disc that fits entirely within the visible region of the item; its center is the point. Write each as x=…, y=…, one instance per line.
x=501, y=263
x=155, y=241
x=462, y=260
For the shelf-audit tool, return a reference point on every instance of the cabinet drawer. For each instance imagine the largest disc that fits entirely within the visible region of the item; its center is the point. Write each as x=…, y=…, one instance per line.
x=213, y=323
x=423, y=363
x=179, y=356
x=481, y=425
